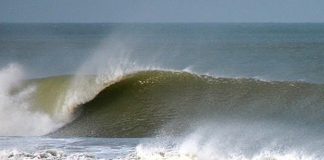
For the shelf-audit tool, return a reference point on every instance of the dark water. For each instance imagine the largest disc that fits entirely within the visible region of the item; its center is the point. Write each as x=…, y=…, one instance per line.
x=197, y=91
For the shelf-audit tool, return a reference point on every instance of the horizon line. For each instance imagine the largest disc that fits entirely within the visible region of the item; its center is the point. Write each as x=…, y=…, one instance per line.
x=224, y=22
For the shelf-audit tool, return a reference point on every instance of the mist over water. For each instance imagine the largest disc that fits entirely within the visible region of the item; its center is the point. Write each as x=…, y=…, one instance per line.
x=205, y=91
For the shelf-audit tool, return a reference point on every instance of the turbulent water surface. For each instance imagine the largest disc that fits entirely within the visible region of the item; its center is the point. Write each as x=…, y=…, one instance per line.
x=162, y=91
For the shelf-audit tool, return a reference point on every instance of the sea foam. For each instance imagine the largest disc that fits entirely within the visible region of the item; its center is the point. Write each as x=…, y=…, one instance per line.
x=16, y=116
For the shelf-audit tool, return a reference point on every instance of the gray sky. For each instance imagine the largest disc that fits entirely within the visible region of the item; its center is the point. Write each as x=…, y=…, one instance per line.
x=161, y=10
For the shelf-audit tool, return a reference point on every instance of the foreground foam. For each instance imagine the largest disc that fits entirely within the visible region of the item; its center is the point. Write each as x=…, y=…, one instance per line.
x=173, y=155
x=234, y=141
x=185, y=151
x=45, y=154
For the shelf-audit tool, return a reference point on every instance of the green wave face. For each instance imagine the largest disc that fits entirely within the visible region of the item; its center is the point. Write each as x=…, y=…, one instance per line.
x=49, y=92
x=149, y=102
x=52, y=94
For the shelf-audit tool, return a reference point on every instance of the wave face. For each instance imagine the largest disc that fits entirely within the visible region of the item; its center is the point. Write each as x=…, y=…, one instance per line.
x=147, y=103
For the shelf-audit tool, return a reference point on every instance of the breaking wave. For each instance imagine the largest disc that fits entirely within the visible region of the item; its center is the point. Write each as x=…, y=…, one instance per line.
x=218, y=118
x=142, y=103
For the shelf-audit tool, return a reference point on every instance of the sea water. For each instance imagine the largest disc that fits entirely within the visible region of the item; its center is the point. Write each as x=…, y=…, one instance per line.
x=168, y=91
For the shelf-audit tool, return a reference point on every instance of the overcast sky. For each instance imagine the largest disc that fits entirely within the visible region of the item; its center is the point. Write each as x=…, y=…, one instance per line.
x=161, y=10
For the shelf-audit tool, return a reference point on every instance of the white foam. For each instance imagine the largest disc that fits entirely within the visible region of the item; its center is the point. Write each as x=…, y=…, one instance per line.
x=207, y=152
x=39, y=155
x=16, y=116
x=230, y=142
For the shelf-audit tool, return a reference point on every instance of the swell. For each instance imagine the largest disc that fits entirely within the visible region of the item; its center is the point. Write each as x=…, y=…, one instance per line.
x=147, y=102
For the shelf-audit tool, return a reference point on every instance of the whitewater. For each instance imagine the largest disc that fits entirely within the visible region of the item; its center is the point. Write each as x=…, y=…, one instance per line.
x=140, y=92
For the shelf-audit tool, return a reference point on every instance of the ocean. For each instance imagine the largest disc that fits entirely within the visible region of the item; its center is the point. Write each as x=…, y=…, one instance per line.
x=161, y=91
